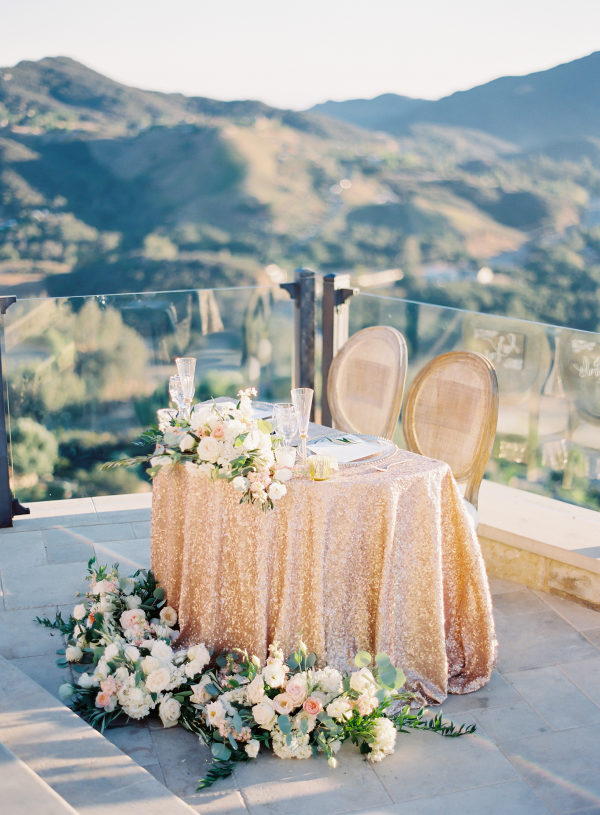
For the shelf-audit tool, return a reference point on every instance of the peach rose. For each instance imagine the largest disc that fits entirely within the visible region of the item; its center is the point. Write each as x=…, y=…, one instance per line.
x=104, y=699
x=109, y=685
x=218, y=431
x=312, y=706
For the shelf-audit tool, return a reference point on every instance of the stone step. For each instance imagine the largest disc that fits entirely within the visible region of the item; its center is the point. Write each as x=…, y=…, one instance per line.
x=24, y=793
x=86, y=773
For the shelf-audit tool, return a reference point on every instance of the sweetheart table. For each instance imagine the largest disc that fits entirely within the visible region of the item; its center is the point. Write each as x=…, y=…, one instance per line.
x=381, y=557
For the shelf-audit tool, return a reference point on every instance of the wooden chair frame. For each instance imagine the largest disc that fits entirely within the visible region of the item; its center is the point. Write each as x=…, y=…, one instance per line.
x=338, y=415
x=483, y=451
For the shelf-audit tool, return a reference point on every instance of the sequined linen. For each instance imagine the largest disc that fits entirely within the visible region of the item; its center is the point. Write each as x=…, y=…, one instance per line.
x=381, y=561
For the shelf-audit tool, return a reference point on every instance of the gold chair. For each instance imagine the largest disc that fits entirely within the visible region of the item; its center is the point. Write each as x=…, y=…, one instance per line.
x=450, y=413
x=366, y=382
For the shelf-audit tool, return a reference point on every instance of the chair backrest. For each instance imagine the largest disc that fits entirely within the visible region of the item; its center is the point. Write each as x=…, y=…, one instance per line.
x=450, y=413
x=366, y=382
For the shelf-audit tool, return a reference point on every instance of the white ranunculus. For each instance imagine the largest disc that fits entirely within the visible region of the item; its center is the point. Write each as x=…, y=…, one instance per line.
x=283, y=474
x=209, y=449
x=86, y=681
x=133, y=601
x=264, y=714
x=340, y=708
x=79, y=612
x=193, y=668
x=150, y=664
x=73, y=653
x=187, y=443
x=111, y=651
x=161, y=651
x=168, y=616
x=158, y=680
x=132, y=653
x=66, y=691
x=274, y=674
x=252, y=748
x=169, y=711
x=240, y=483
x=329, y=680
x=362, y=681
x=277, y=491
x=199, y=653
x=214, y=713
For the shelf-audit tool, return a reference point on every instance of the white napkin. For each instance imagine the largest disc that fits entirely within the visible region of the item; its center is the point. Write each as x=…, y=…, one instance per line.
x=356, y=449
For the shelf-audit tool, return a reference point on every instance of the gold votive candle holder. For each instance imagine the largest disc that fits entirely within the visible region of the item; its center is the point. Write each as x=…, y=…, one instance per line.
x=321, y=467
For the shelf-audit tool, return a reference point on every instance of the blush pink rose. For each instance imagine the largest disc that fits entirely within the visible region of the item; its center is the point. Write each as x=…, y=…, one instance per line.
x=109, y=685
x=312, y=706
x=296, y=689
x=218, y=431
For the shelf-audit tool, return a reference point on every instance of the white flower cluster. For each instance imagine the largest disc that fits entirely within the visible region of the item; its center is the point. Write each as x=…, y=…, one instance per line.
x=224, y=440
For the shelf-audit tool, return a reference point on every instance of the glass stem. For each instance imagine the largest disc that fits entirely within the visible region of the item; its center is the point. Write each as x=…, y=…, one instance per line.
x=303, y=455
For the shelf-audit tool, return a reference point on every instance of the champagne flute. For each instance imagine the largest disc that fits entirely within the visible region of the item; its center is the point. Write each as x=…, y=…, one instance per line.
x=177, y=394
x=186, y=367
x=302, y=399
x=284, y=417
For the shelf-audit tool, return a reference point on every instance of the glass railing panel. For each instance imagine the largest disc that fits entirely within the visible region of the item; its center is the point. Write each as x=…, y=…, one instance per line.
x=85, y=375
x=548, y=434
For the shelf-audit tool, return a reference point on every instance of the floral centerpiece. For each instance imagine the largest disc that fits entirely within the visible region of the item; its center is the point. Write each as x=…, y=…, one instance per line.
x=223, y=441
x=121, y=642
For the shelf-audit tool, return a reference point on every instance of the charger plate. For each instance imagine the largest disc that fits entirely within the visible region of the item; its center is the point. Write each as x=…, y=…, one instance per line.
x=387, y=447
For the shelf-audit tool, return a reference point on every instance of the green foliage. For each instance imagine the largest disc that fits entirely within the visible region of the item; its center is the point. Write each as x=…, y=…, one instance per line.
x=34, y=448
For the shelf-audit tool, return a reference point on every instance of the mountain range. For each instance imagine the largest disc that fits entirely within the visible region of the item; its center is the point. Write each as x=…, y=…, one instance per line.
x=104, y=187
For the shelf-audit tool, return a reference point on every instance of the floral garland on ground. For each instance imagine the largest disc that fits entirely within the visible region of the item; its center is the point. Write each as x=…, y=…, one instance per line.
x=222, y=441
x=120, y=640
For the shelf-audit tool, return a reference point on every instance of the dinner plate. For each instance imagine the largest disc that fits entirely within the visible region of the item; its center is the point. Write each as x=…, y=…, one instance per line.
x=386, y=447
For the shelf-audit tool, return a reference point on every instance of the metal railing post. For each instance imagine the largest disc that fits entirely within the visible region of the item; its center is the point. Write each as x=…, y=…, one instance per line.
x=302, y=292
x=9, y=506
x=336, y=293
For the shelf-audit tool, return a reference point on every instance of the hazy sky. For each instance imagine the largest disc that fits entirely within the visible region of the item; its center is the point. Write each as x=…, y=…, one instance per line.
x=295, y=54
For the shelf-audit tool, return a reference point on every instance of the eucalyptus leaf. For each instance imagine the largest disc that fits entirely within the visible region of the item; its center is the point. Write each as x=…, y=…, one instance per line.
x=285, y=725
x=237, y=722
x=362, y=659
x=220, y=751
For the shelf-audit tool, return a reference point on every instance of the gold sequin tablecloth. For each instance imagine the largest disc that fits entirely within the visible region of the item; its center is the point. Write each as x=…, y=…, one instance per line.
x=368, y=560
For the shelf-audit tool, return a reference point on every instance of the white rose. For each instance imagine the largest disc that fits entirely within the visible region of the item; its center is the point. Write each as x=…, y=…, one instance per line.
x=194, y=668
x=73, y=653
x=296, y=689
x=277, y=491
x=199, y=653
x=233, y=429
x=79, y=612
x=329, y=680
x=282, y=475
x=168, y=616
x=111, y=651
x=252, y=748
x=283, y=703
x=240, y=484
x=187, y=443
x=200, y=416
x=132, y=653
x=274, y=674
x=209, y=449
x=362, y=681
x=169, y=710
x=158, y=680
x=256, y=690
x=133, y=601
x=264, y=714
x=340, y=708
x=199, y=693
x=86, y=681
x=150, y=664
x=161, y=651
x=253, y=440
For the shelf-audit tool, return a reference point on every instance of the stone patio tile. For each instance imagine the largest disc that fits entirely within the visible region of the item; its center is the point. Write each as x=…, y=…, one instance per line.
x=21, y=636
x=22, y=550
x=562, y=767
x=508, y=798
x=183, y=759
x=510, y=603
x=426, y=763
x=586, y=675
x=497, y=693
x=593, y=635
x=44, y=670
x=274, y=786
x=554, y=697
x=130, y=554
x=508, y=722
x=123, y=516
x=70, y=552
x=24, y=793
x=134, y=740
x=98, y=532
x=108, y=503
x=41, y=586
x=580, y=617
x=500, y=586
x=141, y=529
x=537, y=640
x=216, y=801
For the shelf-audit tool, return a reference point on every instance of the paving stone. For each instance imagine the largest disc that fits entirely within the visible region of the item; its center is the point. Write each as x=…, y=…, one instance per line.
x=562, y=767
x=44, y=670
x=135, y=741
x=70, y=552
x=21, y=636
x=130, y=554
x=90, y=534
x=580, y=617
x=593, y=636
x=426, y=762
x=22, y=550
x=142, y=529
x=274, y=786
x=500, y=586
x=554, y=697
x=536, y=640
x=497, y=693
x=586, y=675
x=508, y=798
x=124, y=516
x=511, y=603
x=23, y=792
x=41, y=586
x=215, y=801
x=507, y=723
x=183, y=759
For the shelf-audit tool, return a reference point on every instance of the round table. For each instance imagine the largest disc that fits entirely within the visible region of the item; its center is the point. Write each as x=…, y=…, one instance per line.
x=381, y=557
